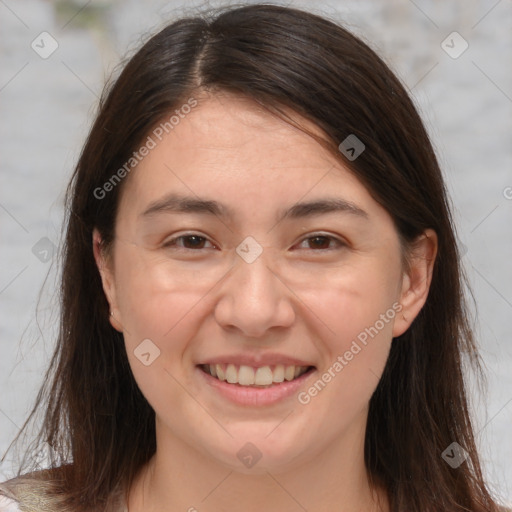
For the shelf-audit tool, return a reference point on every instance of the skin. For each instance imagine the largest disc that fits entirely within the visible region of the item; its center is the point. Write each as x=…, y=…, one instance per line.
x=297, y=298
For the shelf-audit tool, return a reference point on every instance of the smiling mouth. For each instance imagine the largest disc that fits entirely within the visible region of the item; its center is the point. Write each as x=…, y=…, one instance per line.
x=261, y=377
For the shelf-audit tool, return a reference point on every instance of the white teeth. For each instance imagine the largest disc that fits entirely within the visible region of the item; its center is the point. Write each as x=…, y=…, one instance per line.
x=249, y=376
x=278, y=373
x=220, y=372
x=263, y=376
x=231, y=374
x=289, y=372
x=246, y=376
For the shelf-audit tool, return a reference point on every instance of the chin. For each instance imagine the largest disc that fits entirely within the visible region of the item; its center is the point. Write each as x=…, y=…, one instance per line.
x=257, y=452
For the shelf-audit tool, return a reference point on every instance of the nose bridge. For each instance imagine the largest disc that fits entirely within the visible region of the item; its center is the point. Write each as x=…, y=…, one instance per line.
x=255, y=278
x=253, y=298
x=253, y=269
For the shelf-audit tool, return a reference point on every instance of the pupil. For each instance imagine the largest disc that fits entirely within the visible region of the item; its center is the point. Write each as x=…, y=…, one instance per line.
x=198, y=240
x=321, y=239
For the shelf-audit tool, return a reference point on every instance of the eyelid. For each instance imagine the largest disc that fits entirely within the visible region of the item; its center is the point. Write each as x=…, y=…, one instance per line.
x=172, y=241
x=338, y=241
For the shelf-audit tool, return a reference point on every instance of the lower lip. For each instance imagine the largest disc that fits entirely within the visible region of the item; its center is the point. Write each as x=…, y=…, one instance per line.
x=246, y=395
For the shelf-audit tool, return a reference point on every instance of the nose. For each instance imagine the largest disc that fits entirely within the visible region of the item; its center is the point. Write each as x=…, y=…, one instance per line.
x=253, y=300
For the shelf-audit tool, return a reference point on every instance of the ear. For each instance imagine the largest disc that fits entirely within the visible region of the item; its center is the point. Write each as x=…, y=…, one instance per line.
x=416, y=280
x=107, y=279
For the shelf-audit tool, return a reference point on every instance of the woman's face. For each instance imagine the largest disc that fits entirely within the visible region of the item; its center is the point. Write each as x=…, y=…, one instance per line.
x=240, y=241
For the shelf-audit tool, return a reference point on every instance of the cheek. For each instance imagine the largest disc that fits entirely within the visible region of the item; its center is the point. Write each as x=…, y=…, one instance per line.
x=160, y=302
x=155, y=294
x=349, y=299
x=354, y=357
x=157, y=304
x=357, y=306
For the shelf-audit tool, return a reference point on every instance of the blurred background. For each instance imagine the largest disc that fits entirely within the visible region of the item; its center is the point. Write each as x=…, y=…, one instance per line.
x=55, y=56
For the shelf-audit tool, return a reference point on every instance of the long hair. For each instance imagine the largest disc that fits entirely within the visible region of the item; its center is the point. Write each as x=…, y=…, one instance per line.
x=97, y=421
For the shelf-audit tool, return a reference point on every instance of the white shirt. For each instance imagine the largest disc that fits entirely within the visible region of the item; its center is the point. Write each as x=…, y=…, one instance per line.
x=8, y=505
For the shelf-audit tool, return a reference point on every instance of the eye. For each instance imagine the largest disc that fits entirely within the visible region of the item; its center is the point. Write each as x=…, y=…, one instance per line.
x=196, y=242
x=321, y=242
x=190, y=241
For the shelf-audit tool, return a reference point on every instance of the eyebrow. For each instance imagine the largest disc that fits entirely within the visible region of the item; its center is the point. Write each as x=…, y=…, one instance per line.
x=174, y=203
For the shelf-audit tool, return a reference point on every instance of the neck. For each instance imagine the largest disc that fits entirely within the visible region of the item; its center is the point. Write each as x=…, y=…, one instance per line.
x=178, y=477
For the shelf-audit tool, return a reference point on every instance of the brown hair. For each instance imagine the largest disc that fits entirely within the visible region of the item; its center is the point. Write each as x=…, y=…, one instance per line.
x=282, y=58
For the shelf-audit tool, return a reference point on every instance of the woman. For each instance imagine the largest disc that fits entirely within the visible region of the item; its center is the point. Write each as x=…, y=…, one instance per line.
x=262, y=300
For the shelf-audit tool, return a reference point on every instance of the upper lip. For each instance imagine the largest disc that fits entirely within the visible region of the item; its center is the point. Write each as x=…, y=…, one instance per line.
x=257, y=361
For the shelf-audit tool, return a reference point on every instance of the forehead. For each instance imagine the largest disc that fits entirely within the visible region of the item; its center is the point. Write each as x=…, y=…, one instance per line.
x=240, y=131
x=230, y=148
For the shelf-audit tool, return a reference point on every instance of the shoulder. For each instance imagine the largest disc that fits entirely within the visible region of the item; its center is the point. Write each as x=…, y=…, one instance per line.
x=8, y=504
x=8, y=499
x=41, y=491
x=27, y=492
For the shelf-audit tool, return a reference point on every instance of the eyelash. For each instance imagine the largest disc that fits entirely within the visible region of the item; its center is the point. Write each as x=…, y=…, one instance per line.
x=172, y=241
